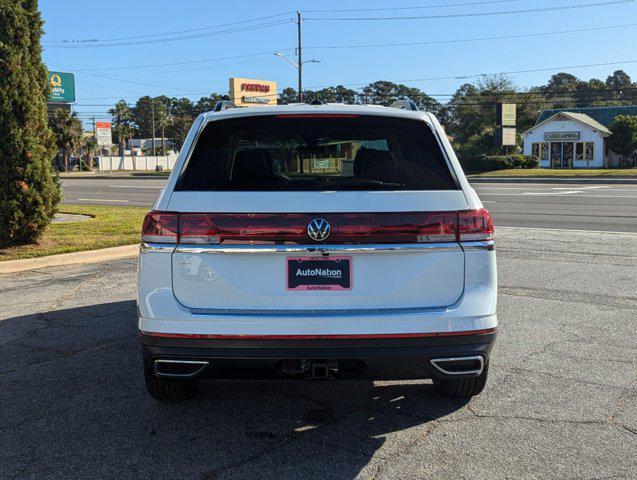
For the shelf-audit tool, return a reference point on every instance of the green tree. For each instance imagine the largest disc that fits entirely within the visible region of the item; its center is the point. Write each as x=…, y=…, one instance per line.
x=561, y=89
x=288, y=95
x=620, y=81
x=338, y=94
x=29, y=193
x=67, y=131
x=90, y=147
x=624, y=135
x=207, y=104
x=122, y=124
x=182, y=113
x=142, y=114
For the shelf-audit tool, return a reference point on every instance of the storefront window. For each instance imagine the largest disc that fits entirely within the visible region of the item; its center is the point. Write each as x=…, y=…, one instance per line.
x=579, y=151
x=535, y=150
x=589, y=150
x=545, y=151
x=556, y=154
x=567, y=155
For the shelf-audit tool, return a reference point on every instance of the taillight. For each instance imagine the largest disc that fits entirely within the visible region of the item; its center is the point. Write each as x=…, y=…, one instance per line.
x=345, y=228
x=160, y=227
x=474, y=225
x=242, y=227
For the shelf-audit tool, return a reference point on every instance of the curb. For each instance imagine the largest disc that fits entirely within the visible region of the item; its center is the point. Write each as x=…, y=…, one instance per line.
x=597, y=180
x=89, y=256
x=113, y=177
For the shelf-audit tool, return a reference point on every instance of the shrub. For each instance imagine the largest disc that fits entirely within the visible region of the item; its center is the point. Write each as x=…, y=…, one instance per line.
x=28, y=191
x=486, y=163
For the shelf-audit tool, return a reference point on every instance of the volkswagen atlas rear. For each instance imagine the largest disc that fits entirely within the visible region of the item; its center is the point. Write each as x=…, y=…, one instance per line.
x=317, y=242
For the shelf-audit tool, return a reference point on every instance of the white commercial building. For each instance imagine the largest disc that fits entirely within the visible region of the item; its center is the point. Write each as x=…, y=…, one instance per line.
x=575, y=137
x=567, y=140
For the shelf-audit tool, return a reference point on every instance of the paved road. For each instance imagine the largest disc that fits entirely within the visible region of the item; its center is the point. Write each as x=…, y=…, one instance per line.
x=561, y=402
x=576, y=206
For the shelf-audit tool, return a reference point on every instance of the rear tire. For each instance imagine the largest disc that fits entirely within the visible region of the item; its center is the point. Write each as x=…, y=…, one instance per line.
x=462, y=387
x=168, y=389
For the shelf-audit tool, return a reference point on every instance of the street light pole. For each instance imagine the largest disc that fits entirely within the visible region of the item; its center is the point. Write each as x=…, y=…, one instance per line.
x=298, y=67
x=300, y=62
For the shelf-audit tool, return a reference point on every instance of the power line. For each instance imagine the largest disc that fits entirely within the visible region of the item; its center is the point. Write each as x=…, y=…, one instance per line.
x=373, y=45
x=456, y=77
x=207, y=67
x=466, y=4
x=189, y=62
x=477, y=14
x=211, y=27
x=474, y=39
x=173, y=39
x=476, y=75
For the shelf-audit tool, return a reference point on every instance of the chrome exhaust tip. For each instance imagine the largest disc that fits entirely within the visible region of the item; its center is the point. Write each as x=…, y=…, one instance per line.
x=473, y=365
x=179, y=368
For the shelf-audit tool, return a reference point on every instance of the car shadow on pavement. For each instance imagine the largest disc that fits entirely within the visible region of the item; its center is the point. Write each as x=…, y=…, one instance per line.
x=74, y=405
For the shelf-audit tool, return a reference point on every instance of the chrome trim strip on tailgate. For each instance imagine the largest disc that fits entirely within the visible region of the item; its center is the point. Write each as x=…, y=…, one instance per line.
x=372, y=248
x=322, y=312
x=158, y=247
x=482, y=245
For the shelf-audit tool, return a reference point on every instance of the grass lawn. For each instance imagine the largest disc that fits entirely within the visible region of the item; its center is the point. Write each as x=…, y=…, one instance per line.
x=560, y=172
x=109, y=227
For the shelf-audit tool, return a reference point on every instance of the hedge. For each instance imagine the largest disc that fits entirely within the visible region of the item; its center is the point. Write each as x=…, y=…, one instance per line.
x=486, y=163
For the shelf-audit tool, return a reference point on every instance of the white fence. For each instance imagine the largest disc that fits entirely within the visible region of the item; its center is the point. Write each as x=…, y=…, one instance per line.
x=137, y=163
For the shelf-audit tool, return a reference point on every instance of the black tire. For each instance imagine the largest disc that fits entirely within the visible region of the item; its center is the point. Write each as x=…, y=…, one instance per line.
x=462, y=387
x=167, y=389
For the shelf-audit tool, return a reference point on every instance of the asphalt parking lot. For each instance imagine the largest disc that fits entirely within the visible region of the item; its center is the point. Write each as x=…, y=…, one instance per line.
x=561, y=401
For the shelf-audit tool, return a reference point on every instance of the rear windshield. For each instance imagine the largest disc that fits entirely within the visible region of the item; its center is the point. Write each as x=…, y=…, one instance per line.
x=316, y=152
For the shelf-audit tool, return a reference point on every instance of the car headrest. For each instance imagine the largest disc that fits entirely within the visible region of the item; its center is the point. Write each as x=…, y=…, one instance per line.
x=252, y=165
x=375, y=165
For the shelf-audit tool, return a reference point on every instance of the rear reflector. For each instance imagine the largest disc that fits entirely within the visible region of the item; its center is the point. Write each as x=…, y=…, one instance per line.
x=291, y=228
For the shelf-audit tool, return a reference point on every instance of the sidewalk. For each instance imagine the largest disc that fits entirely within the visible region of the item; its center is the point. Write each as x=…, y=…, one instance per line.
x=87, y=256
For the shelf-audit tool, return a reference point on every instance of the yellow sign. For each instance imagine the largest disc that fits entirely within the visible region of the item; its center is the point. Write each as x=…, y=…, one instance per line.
x=248, y=92
x=506, y=114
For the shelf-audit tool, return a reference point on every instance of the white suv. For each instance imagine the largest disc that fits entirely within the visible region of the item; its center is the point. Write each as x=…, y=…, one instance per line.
x=317, y=241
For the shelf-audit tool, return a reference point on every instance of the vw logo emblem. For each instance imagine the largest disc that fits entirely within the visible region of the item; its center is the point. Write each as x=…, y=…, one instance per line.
x=318, y=229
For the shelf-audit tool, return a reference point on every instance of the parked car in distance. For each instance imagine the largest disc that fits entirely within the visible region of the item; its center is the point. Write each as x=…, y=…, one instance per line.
x=316, y=242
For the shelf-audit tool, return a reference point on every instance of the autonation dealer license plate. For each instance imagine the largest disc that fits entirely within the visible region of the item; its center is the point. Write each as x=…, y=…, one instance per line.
x=319, y=273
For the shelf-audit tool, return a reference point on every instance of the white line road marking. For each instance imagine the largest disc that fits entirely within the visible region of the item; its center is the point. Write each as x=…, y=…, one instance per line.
x=565, y=192
x=564, y=230
x=578, y=188
x=609, y=196
x=101, y=200
x=583, y=194
x=136, y=186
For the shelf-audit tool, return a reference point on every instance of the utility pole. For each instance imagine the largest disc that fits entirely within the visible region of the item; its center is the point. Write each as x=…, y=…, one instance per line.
x=300, y=62
x=90, y=154
x=152, y=106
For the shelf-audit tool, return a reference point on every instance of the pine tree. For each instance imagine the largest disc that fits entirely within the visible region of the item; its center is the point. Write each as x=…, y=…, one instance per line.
x=28, y=192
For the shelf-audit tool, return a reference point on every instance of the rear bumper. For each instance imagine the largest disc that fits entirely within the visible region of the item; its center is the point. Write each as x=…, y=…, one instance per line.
x=390, y=357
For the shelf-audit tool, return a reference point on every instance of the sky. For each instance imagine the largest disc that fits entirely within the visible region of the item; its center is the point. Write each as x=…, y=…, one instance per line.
x=111, y=47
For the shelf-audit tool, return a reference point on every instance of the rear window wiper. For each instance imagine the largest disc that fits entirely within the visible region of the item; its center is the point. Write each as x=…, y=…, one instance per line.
x=354, y=182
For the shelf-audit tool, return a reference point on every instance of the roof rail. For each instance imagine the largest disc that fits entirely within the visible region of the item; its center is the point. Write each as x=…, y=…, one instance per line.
x=223, y=105
x=405, y=105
